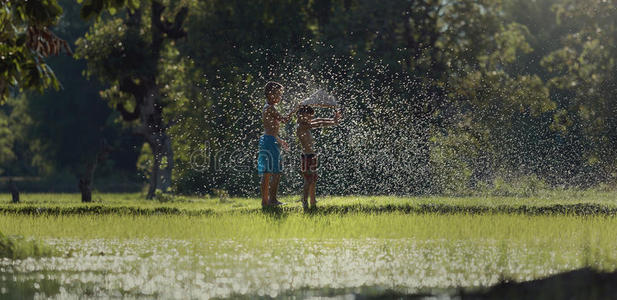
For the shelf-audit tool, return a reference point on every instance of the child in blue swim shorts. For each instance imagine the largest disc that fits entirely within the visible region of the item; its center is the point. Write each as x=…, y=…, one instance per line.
x=269, y=158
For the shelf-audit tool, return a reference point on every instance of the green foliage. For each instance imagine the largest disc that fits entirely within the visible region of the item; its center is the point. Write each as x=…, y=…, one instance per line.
x=15, y=147
x=345, y=46
x=22, y=68
x=450, y=155
x=6, y=141
x=165, y=197
x=517, y=88
x=17, y=247
x=144, y=161
x=525, y=186
x=117, y=48
x=47, y=126
x=94, y=8
x=583, y=71
x=496, y=108
x=455, y=158
x=101, y=45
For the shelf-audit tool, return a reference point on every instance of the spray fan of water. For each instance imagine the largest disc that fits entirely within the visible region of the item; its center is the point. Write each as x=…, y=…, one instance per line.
x=379, y=147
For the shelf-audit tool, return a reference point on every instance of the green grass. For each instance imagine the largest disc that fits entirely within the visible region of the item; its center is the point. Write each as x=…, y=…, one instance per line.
x=258, y=226
x=595, y=235
x=220, y=248
x=557, y=202
x=18, y=247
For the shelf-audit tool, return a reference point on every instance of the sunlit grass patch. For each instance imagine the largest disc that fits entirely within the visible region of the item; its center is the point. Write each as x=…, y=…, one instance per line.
x=18, y=247
x=138, y=248
x=559, y=203
x=258, y=226
x=223, y=255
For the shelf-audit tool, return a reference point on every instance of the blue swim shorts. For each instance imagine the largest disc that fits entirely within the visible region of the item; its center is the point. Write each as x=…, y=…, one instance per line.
x=269, y=157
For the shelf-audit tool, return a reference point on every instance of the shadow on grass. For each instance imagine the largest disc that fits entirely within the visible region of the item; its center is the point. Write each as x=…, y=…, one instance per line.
x=579, y=209
x=274, y=212
x=583, y=284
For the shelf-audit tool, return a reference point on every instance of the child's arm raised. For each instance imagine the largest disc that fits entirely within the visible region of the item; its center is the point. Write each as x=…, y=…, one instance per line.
x=321, y=119
x=324, y=122
x=318, y=123
x=281, y=118
x=289, y=115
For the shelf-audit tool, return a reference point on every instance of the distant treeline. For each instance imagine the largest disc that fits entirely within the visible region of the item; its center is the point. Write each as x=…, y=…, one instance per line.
x=439, y=97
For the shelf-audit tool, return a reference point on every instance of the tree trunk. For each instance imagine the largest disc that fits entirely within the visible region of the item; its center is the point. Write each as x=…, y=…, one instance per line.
x=85, y=182
x=149, y=103
x=14, y=191
x=154, y=174
x=160, y=178
x=165, y=174
x=155, y=133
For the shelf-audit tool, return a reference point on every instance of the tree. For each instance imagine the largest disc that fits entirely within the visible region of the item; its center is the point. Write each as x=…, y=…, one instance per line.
x=583, y=78
x=125, y=51
x=501, y=114
x=395, y=58
x=25, y=42
x=425, y=46
x=71, y=130
x=7, y=138
x=235, y=47
x=15, y=156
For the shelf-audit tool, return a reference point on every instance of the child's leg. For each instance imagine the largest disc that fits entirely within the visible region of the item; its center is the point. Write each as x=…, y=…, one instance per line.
x=265, y=181
x=313, y=187
x=305, y=193
x=274, y=186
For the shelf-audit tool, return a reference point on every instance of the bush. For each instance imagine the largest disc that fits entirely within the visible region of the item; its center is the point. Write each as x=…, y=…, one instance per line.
x=524, y=186
x=164, y=197
x=452, y=163
x=20, y=247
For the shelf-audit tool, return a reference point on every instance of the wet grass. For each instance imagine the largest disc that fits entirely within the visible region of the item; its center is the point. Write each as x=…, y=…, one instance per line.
x=18, y=247
x=298, y=255
x=211, y=247
x=572, y=229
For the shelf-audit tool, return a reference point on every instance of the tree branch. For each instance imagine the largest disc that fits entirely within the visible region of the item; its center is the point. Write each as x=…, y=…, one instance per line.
x=105, y=149
x=126, y=115
x=171, y=122
x=134, y=19
x=172, y=30
x=128, y=86
x=176, y=31
x=139, y=130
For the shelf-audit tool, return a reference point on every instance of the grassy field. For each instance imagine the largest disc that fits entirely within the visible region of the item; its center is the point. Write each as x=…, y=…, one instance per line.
x=602, y=202
x=187, y=247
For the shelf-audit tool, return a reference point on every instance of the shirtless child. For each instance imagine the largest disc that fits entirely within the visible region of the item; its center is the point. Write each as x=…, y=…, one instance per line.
x=269, y=158
x=309, y=157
